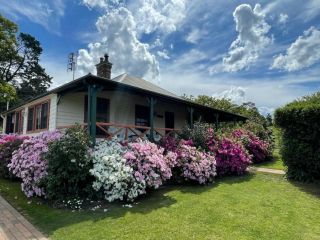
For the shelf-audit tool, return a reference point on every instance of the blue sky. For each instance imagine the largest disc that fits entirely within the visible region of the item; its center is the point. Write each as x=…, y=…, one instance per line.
x=267, y=52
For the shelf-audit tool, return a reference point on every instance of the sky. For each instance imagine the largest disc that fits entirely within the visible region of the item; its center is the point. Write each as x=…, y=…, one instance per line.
x=266, y=52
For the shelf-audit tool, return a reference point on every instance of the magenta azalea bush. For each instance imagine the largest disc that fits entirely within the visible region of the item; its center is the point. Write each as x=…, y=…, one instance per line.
x=151, y=166
x=195, y=165
x=169, y=143
x=231, y=157
x=259, y=149
x=28, y=162
x=8, y=144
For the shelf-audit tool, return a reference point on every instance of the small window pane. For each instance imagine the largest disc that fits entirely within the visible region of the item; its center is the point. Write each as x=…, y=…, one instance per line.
x=44, y=115
x=38, y=117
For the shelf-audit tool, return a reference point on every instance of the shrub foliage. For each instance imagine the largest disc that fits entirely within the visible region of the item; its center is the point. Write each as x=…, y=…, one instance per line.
x=300, y=124
x=8, y=144
x=69, y=162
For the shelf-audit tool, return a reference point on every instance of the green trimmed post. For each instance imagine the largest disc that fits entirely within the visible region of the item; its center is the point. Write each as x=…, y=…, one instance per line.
x=92, y=111
x=151, y=104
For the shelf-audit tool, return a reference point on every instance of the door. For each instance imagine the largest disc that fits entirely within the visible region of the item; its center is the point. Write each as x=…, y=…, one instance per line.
x=169, y=120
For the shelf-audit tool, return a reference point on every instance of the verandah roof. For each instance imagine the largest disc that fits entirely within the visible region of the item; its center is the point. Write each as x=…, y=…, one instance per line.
x=138, y=86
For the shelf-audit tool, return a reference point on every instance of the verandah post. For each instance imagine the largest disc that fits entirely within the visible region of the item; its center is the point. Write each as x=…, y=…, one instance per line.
x=217, y=121
x=152, y=102
x=92, y=111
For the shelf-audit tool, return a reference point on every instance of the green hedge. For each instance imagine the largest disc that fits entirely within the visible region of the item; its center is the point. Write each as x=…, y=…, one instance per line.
x=300, y=149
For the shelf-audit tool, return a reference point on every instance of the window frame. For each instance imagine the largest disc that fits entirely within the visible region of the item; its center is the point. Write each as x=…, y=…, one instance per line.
x=34, y=117
x=18, y=128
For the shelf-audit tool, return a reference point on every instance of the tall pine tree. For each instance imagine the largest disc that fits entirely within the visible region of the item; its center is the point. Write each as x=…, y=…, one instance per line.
x=19, y=62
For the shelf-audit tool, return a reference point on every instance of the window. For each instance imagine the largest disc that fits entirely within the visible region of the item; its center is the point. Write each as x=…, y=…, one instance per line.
x=102, y=109
x=38, y=117
x=142, y=116
x=30, y=119
x=18, y=124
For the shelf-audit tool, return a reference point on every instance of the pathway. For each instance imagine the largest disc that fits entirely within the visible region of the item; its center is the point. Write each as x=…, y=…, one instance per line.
x=13, y=226
x=267, y=170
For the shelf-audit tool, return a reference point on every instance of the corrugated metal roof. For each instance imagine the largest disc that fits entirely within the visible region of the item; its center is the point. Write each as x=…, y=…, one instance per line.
x=143, y=84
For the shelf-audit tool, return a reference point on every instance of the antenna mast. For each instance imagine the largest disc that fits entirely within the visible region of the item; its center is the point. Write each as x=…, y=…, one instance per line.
x=72, y=63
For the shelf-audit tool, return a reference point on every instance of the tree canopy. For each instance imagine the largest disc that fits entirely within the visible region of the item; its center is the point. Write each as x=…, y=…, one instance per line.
x=19, y=64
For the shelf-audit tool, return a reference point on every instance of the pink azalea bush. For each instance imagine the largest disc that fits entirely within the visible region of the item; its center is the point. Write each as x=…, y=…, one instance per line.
x=231, y=157
x=259, y=149
x=28, y=162
x=151, y=166
x=195, y=165
x=8, y=144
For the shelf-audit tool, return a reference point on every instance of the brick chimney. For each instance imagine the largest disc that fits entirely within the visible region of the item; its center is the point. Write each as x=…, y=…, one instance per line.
x=104, y=67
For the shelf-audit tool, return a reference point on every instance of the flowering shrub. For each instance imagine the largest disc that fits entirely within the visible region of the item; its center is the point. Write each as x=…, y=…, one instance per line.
x=231, y=157
x=169, y=143
x=112, y=173
x=8, y=144
x=259, y=149
x=69, y=162
x=29, y=164
x=201, y=134
x=149, y=163
x=195, y=165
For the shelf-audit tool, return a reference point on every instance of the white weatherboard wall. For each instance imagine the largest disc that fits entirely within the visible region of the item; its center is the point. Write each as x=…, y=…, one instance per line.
x=70, y=109
x=4, y=124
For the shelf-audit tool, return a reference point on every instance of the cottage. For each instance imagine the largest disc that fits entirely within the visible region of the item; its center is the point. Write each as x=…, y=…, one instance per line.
x=124, y=106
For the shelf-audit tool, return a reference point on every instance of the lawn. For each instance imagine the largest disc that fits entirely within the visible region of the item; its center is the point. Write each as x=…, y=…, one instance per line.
x=254, y=206
x=276, y=162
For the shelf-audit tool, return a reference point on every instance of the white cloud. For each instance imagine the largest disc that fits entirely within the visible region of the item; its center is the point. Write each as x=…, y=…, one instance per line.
x=44, y=13
x=165, y=15
x=121, y=29
x=163, y=54
x=105, y=4
x=194, y=36
x=252, y=38
x=266, y=110
x=304, y=52
x=283, y=18
x=120, y=41
x=235, y=93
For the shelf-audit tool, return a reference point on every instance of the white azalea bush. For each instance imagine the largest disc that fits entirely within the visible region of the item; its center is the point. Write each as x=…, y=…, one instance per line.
x=112, y=174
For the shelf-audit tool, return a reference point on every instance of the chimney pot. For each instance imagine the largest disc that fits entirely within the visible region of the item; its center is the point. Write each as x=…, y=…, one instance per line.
x=104, y=67
x=106, y=57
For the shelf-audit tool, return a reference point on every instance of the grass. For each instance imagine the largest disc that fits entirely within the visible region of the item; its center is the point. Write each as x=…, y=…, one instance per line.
x=254, y=206
x=276, y=162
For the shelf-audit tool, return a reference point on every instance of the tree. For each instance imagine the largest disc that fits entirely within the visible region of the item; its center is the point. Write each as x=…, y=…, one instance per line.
x=269, y=119
x=19, y=61
x=7, y=93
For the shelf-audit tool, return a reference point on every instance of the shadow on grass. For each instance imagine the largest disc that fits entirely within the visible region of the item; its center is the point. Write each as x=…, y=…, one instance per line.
x=309, y=188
